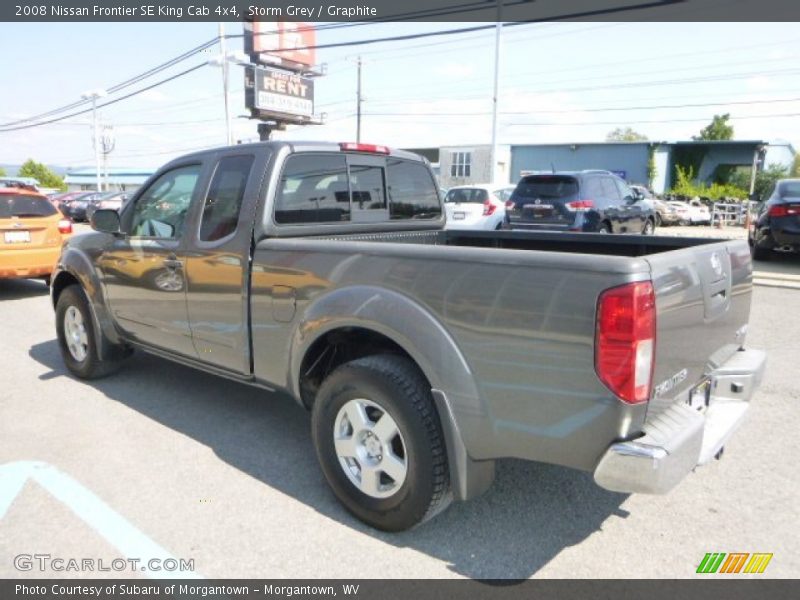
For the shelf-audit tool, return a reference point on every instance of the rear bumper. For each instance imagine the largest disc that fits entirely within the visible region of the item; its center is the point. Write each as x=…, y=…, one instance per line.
x=28, y=262
x=680, y=438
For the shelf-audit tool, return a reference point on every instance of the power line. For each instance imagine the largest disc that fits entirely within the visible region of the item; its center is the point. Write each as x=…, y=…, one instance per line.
x=109, y=103
x=122, y=85
x=560, y=111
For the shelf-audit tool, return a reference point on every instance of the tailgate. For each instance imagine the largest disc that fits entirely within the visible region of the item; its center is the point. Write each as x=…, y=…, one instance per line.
x=703, y=298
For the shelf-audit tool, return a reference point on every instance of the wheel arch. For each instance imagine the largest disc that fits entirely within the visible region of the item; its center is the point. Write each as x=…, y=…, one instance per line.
x=358, y=321
x=74, y=268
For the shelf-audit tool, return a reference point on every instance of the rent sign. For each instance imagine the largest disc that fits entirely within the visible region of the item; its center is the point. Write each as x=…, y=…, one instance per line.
x=276, y=93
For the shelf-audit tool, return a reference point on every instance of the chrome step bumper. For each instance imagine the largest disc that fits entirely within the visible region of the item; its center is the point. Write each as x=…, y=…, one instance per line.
x=680, y=438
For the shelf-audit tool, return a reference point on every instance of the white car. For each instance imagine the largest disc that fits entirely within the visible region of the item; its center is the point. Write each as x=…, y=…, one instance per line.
x=692, y=213
x=477, y=207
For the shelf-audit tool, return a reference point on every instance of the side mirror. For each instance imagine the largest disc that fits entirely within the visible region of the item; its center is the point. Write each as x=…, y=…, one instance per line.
x=106, y=221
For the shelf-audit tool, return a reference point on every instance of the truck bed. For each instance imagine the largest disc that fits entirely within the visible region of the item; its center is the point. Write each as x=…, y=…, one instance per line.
x=520, y=308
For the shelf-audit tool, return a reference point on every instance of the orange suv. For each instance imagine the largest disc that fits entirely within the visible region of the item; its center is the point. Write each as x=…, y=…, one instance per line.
x=32, y=231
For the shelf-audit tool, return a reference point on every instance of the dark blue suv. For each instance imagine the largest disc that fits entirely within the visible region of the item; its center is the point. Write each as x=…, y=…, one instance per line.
x=590, y=201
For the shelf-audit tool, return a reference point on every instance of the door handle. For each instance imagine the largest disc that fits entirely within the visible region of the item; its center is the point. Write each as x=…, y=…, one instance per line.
x=173, y=263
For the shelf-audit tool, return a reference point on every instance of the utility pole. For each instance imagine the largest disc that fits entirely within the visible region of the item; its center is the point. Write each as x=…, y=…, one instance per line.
x=93, y=95
x=497, y=33
x=224, y=58
x=108, y=144
x=359, y=100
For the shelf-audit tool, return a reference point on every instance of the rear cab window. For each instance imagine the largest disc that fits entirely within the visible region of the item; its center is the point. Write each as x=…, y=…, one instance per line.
x=342, y=187
x=24, y=206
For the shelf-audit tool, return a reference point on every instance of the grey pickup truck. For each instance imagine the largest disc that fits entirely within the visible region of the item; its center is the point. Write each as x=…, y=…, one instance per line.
x=324, y=270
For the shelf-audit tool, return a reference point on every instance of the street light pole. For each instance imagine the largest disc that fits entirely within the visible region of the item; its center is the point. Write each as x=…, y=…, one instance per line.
x=359, y=100
x=497, y=33
x=225, y=86
x=93, y=95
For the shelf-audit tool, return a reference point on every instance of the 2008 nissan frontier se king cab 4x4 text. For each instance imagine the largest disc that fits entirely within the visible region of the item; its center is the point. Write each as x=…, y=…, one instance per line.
x=324, y=270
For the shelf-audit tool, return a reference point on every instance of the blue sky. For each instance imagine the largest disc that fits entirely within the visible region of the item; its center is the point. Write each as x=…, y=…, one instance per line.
x=558, y=81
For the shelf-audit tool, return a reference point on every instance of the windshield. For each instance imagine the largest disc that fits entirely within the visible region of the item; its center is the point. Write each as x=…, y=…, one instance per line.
x=467, y=195
x=22, y=205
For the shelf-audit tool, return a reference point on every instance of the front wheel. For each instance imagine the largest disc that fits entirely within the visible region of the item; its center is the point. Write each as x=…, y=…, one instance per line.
x=77, y=338
x=604, y=228
x=649, y=228
x=380, y=444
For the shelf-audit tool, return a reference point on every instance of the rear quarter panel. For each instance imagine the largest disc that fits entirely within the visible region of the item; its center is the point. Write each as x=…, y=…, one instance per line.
x=692, y=337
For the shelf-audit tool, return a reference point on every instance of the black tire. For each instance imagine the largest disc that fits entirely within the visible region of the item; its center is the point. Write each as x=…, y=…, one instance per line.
x=649, y=227
x=659, y=220
x=760, y=254
x=90, y=367
x=604, y=228
x=395, y=384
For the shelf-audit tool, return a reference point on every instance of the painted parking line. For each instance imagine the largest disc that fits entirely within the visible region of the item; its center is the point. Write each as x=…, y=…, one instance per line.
x=92, y=510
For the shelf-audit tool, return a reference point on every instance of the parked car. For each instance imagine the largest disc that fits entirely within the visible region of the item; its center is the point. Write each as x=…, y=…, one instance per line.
x=32, y=232
x=422, y=354
x=693, y=212
x=62, y=198
x=665, y=214
x=75, y=207
x=480, y=206
x=776, y=226
x=108, y=201
x=587, y=201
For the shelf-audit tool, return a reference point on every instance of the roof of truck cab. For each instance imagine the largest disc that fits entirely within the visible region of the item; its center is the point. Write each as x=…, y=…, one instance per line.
x=300, y=146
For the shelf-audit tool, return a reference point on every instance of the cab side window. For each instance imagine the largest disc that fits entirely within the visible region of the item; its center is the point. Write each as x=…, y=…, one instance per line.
x=224, y=199
x=313, y=189
x=161, y=210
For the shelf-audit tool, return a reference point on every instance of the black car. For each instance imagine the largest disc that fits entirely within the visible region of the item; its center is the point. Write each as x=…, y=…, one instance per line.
x=777, y=223
x=589, y=201
x=75, y=208
x=106, y=200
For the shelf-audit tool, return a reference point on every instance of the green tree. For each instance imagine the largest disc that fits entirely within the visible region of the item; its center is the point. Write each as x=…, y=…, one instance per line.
x=2, y=172
x=796, y=166
x=625, y=134
x=718, y=129
x=42, y=174
x=765, y=180
x=652, y=170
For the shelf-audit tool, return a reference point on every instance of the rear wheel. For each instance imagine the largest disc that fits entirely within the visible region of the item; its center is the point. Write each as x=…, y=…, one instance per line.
x=380, y=444
x=604, y=228
x=77, y=337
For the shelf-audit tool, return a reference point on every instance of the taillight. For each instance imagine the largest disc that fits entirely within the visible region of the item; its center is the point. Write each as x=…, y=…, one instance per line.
x=65, y=226
x=488, y=208
x=371, y=148
x=510, y=204
x=626, y=340
x=580, y=205
x=784, y=210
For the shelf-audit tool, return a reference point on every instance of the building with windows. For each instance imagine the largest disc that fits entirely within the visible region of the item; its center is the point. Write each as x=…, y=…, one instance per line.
x=648, y=163
x=462, y=165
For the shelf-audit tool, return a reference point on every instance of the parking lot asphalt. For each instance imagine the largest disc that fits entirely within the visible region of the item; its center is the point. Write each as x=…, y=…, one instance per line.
x=162, y=458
